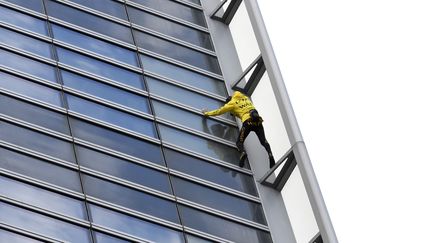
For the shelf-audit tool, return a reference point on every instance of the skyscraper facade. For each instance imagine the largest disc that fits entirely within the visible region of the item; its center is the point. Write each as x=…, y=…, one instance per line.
x=101, y=134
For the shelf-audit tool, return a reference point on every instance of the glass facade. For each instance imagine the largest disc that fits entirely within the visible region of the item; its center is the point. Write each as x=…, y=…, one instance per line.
x=101, y=138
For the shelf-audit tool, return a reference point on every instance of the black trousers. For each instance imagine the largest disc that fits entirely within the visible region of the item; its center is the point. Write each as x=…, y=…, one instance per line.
x=256, y=127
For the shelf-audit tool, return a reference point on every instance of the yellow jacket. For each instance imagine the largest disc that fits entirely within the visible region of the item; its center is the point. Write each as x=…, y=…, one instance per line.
x=240, y=106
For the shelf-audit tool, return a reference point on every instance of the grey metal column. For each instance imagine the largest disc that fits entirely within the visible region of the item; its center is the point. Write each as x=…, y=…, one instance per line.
x=305, y=167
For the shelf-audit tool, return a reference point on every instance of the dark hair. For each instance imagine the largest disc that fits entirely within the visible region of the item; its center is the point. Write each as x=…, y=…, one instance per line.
x=228, y=99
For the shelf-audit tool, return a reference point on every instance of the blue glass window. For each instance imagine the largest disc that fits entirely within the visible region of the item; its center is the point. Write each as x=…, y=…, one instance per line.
x=23, y=21
x=103, y=238
x=39, y=169
x=177, y=52
x=105, y=91
x=130, y=198
x=89, y=21
x=6, y=236
x=25, y=43
x=27, y=65
x=210, y=172
x=221, y=227
x=194, y=239
x=27, y=88
x=195, y=121
x=200, y=145
x=34, y=114
x=38, y=197
x=36, y=141
x=95, y=45
x=134, y=226
x=110, y=115
x=117, y=141
x=35, y=5
x=41, y=224
x=107, y=6
x=170, y=28
x=99, y=68
x=183, y=75
x=176, y=9
x=123, y=169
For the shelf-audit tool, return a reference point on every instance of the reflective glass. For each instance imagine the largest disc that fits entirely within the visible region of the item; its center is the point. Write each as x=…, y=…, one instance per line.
x=35, y=5
x=38, y=197
x=177, y=52
x=89, y=21
x=41, y=224
x=106, y=6
x=23, y=21
x=34, y=114
x=27, y=65
x=195, y=121
x=117, y=141
x=175, y=9
x=218, y=200
x=221, y=227
x=28, y=88
x=184, y=96
x=134, y=226
x=103, y=238
x=36, y=141
x=200, y=145
x=170, y=28
x=194, y=239
x=6, y=236
x=130, y=198
x=99, y=68
x=210, y=172
x=95, y=45
x=123, y=169
x=183, y=75
x=25, y=43
x=110, y=115
x=39, y=169
x=105, y=91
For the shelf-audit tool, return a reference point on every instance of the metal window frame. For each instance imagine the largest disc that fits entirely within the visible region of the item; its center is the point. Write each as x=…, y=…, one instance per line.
x=230, y=12
x=259, y=69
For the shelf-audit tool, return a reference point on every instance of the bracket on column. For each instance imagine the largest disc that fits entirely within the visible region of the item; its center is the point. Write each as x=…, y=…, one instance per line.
x=254, y=79
x=228, y=15
x=317, y=238
x=283, y=176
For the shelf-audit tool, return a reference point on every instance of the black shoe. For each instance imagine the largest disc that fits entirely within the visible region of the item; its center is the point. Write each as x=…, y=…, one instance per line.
x=243, y=157
x=272, y=161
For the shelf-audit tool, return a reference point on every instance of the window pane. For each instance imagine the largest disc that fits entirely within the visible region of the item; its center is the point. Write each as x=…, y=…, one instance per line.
x=25, y=43
x=194, y=239
x=28, y=88
x=200, y=145
x=44, y=225
x=133, y=226
x=123, y=169
x=177, y=52
x=170, y=28
x=103, y=238
x=107, y=6
x=23, y=21
x=184, y=96
x=183, y=75
x=194, y=121
x=35, y=5
x=95, y=45
x=175, y=9
x=112, y=116
x=105, y=91
x=6, y=236
x=117, y=141
x=211, y=172
x=130, y=198
x=38, y=197
x=89, y=21
x=28, y=65
x=99, y=68
x=221, y=227
x=36, y=141
x=39, y=169
x=218, y=200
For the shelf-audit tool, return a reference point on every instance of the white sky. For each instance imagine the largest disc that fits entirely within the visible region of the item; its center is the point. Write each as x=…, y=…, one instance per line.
x=359, y=76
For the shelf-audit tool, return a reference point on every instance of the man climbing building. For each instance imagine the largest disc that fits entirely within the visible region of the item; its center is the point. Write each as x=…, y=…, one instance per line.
x=241, y=106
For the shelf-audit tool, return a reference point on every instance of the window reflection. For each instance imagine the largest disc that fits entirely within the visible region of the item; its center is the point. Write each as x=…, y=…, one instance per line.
x=103, y=238
x=25, y=43
x=35, y=5
x=23, y=21
x=108, y=6
x=6, y=236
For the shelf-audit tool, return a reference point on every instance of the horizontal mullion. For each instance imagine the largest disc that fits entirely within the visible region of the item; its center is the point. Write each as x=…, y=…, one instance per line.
x=126, y=183
x=117, y=233
x=24, y=31
x=205, y=235
x=33, y=101
x=189, y=4
x=133, y=213
x=23, y=10
x=28, y=54
x=27, y=233
x=30, y=77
